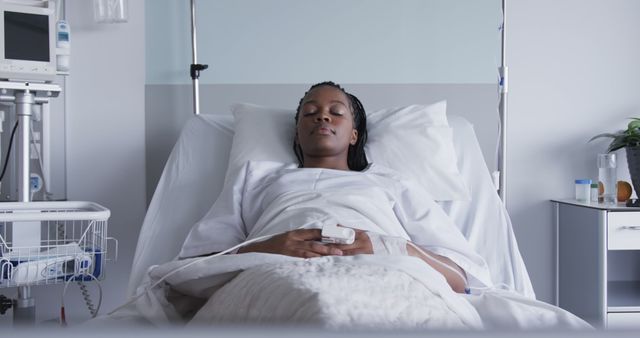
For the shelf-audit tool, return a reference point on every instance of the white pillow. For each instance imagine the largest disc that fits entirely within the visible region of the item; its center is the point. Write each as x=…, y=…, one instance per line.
x=415, y=140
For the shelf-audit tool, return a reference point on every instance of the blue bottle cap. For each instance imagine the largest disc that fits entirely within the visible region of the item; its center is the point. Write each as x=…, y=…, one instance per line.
x=583, y=181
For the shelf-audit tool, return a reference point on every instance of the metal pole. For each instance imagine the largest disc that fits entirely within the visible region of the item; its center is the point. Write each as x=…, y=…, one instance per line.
x=504, y=85
x=194, y=60
x=24, y=312
x=24, y=102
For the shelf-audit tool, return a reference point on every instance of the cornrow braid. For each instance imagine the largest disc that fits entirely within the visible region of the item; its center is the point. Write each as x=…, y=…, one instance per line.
x=356, y=157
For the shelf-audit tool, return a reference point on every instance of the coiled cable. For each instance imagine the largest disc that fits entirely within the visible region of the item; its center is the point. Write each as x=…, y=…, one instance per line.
x=85, y=293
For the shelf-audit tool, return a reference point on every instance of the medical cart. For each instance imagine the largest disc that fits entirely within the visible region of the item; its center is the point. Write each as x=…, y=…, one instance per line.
x=72, y=246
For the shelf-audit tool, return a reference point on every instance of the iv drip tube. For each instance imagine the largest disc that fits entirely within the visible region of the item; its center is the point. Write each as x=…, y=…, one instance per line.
x=504, y=81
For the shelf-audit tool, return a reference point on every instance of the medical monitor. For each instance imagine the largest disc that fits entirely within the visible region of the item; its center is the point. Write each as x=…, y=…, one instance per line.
x=27, y=42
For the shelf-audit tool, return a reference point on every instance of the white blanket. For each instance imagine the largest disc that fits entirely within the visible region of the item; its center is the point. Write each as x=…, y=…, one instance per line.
x=335, y=292
x=340, y=293
x=365, y=291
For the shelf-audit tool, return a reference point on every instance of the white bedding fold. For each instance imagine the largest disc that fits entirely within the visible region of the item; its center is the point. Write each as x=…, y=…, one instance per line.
x=342, y=292
x=364, y=291
x=359, y=281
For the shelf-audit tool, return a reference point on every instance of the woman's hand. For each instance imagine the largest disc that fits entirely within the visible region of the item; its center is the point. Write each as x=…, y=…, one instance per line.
x=361, y=245
x=297, y=243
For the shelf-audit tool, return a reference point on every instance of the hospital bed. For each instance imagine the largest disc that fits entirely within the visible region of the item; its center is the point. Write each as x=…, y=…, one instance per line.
x=194, y=176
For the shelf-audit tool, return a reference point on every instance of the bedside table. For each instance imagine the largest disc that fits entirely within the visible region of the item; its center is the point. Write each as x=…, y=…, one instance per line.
x=598, y=262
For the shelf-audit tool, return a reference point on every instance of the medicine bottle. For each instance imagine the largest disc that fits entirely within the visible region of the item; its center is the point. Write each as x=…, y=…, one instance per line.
x=583, y=190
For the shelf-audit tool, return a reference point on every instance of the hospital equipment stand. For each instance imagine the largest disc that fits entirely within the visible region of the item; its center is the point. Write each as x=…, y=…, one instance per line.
x=25, y=95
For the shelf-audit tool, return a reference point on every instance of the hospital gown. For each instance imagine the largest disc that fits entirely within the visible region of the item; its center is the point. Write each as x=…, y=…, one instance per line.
x=268, y=198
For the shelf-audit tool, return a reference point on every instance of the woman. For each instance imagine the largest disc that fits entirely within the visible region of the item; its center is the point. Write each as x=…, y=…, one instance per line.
x=329, y=143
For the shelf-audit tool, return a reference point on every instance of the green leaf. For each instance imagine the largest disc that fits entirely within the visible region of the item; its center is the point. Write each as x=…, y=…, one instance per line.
x=635, y=124
x=604, y=135
x=612, y=149
x=618, y=144
x=632, y=138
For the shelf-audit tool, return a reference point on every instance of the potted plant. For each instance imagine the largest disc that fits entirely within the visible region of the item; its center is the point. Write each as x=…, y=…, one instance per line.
x=630, y=140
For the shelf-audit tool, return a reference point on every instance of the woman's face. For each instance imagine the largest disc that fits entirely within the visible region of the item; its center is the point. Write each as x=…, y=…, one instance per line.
x=325, y=123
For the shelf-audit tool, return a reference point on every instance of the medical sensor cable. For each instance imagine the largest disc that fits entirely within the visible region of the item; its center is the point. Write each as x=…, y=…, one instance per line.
x=87, y=298
x=6, y=158
x=171, y=273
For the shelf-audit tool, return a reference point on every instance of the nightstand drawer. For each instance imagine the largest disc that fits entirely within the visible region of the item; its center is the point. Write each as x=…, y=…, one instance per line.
x=623, y=230
x=623, y=320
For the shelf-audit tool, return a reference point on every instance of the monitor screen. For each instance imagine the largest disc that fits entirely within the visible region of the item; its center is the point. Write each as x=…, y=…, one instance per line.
x=26, y=36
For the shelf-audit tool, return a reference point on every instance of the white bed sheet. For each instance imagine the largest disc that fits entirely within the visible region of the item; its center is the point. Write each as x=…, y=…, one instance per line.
x=194, y=174
x=389, y=293
x=484, y=220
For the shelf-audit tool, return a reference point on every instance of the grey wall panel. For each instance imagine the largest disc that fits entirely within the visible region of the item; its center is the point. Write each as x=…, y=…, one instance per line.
x=169, y=106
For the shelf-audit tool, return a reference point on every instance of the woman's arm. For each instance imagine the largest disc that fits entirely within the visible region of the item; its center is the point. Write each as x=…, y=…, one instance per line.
x=426, y=223
x=457, y=281
x=364, y=245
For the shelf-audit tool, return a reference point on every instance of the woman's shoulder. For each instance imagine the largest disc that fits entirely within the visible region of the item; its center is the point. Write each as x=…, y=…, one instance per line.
x=381, y=170
x=383, y=173
x=394, y=177
x=266, y=167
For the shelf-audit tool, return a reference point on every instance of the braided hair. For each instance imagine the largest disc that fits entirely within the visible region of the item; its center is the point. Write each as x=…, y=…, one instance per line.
x=356, y=157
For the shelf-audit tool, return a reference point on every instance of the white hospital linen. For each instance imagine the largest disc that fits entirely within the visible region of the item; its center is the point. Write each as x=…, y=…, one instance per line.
x=268, y=198
x=351, y=292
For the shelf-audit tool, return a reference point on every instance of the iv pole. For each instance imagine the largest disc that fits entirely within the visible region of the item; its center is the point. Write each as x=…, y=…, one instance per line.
x=195, y=68
x=502, y=108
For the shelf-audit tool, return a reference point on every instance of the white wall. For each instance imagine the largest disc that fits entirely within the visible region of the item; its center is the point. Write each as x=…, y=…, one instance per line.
x=574, y=73
x=105, y=134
